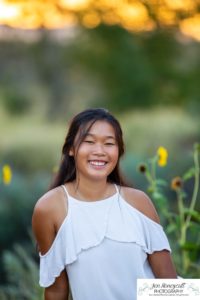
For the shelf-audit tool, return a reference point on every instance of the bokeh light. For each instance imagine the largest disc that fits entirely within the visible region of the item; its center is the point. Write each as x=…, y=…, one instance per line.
x=191, y=27
x=132, y=15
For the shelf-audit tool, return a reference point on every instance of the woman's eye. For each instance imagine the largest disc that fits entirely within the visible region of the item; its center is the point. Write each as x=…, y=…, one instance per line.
x=110, y=144
x=89, y=142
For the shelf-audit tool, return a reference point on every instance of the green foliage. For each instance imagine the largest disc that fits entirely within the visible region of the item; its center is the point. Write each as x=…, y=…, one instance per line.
x=117, y=59
x=31, y=157
x=137, y=70
x=16, y=206
x=53, y=62
x=15, y=102
x=183, y=224
x=22, y=276
x=105, y=66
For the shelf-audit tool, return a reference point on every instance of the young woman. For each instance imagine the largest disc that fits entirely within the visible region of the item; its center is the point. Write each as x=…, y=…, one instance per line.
x=95, y=234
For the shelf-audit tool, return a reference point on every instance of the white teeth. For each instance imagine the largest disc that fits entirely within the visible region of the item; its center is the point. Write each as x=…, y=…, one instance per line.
x=97, y=163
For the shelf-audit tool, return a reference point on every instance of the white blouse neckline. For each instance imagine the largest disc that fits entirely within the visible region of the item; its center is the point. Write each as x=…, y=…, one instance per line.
x=92, y=202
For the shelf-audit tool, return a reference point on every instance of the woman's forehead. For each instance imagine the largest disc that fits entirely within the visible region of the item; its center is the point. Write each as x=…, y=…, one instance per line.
x=102, y=128
x=97, y=128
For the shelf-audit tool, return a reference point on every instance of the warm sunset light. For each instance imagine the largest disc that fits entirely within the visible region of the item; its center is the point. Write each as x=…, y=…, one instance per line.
x=91, y=19
x=180, y=4
x=8, y=12
x=165, y=15
x=133, y=15
x=191, y=27
x=75, y=4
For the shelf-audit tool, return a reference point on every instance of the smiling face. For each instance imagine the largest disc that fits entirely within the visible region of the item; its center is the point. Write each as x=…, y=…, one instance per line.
x=98, y=154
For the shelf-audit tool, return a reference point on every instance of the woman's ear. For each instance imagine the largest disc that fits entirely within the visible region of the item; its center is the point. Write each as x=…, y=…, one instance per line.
x=71, y=152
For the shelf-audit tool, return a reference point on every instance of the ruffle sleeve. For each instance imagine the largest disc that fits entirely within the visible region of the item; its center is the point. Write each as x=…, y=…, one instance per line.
x=134, y=226
x=53, y=262
x=80, y=230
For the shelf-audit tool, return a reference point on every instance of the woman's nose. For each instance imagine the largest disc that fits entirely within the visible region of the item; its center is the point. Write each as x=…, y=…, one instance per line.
x=99, y=149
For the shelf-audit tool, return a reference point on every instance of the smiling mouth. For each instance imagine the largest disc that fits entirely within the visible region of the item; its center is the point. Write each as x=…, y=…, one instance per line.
x=97, y=163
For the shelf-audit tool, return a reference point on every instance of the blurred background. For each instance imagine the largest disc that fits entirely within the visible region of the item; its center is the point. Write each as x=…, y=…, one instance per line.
x=139, y=59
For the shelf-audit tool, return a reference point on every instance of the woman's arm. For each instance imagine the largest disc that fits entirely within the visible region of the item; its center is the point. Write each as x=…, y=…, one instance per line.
x=59, y=290
x=162, y=265
x=44, y=225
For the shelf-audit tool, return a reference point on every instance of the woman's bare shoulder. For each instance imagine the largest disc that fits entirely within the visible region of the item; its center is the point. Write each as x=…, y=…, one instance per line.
x=47, y=202
x=47, y=205
x=50, y=208
x=141, y=201
x=48, y=214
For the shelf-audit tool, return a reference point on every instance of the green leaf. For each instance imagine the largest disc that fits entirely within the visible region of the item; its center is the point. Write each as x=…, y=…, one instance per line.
x=189, y=174
x=150, y=189
x=190, y=246
x=161, y=182
x=157, y=195
x=183, y=194
x=171, y=227
x=193, y=213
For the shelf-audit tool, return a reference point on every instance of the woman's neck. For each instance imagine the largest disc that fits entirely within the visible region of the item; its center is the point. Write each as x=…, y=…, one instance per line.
x=84, y=190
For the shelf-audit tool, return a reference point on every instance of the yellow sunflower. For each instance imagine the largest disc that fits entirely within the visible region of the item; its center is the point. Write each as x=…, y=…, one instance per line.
x=7, y=174
x=162, y=156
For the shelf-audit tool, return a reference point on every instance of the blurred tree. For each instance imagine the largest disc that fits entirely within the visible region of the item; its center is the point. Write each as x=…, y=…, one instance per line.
x=52, y=70
x=135, y=15
x=122, y=69
x=137, y=70
x=43, y=71
x=13, y=88
x=129, y=70
x=116, y=58
x=15, y=102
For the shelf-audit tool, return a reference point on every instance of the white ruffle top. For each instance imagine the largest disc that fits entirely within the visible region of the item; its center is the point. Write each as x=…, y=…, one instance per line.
x=103, y=245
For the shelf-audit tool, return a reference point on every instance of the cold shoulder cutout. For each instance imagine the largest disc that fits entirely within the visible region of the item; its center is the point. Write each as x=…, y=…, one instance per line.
x=103, y=245
x=140, y=201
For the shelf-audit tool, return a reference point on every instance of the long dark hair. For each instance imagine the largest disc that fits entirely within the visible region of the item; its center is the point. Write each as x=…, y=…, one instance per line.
x=81, y=125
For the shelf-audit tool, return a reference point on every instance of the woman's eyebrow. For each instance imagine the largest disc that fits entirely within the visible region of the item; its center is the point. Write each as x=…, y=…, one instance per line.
x=106, y=136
